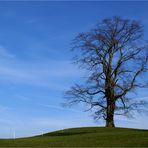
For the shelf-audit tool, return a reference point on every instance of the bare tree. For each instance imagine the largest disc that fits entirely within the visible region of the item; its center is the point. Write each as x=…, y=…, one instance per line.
x=115, y=55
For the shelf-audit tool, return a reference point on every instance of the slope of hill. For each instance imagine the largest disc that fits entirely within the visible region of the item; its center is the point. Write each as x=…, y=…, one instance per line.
x=84, y=137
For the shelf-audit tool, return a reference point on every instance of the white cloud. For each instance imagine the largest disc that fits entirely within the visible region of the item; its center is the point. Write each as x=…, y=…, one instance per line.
x=39, y=74
x=4, y=108
x=60, y=108
x=4, y=53
x=31, y=126
x=48, y=73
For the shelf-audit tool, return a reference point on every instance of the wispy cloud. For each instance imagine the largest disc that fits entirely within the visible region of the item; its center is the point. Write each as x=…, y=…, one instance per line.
x=4, y=108
x=60, y=108
x=30, y=126
x=43, y=73
x=32, y=21
x=4, y=53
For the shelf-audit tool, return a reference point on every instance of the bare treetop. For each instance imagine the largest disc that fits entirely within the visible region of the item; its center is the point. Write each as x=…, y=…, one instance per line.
x=115, y=55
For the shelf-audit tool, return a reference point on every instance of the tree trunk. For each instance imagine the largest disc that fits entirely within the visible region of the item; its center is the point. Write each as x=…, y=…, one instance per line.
x=110, y=114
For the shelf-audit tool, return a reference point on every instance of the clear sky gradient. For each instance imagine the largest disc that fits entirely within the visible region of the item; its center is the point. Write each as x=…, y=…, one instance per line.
x=35, y=63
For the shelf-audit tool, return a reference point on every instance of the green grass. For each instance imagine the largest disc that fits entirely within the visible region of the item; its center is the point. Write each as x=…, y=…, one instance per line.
x=84, y=137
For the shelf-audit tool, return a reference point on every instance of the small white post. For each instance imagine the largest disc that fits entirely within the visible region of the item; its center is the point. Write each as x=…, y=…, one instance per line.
x=42, y=133
x=14, y=135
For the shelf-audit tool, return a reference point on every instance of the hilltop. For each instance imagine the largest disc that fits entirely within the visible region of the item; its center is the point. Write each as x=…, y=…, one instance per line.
x=84, y=137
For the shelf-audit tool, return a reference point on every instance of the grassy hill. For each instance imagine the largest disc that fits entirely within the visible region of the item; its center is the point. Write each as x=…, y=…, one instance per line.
x=84, y=137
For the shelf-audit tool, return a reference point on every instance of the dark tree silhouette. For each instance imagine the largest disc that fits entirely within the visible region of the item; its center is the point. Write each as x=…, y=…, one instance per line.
x=115, y=55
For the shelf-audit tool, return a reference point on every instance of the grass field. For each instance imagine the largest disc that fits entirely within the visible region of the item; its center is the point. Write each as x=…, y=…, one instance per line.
x=84, y=137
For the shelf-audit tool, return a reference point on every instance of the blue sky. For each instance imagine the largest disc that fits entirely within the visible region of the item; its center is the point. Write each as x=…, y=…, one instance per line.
x=35, y=63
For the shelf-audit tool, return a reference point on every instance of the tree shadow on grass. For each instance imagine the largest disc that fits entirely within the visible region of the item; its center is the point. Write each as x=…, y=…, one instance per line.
x=62, y=133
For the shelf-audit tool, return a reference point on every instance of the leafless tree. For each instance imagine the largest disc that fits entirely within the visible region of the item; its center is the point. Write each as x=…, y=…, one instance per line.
x=115, y=54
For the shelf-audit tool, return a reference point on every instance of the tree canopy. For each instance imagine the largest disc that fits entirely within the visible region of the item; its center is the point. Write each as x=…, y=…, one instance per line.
x=114, y=54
